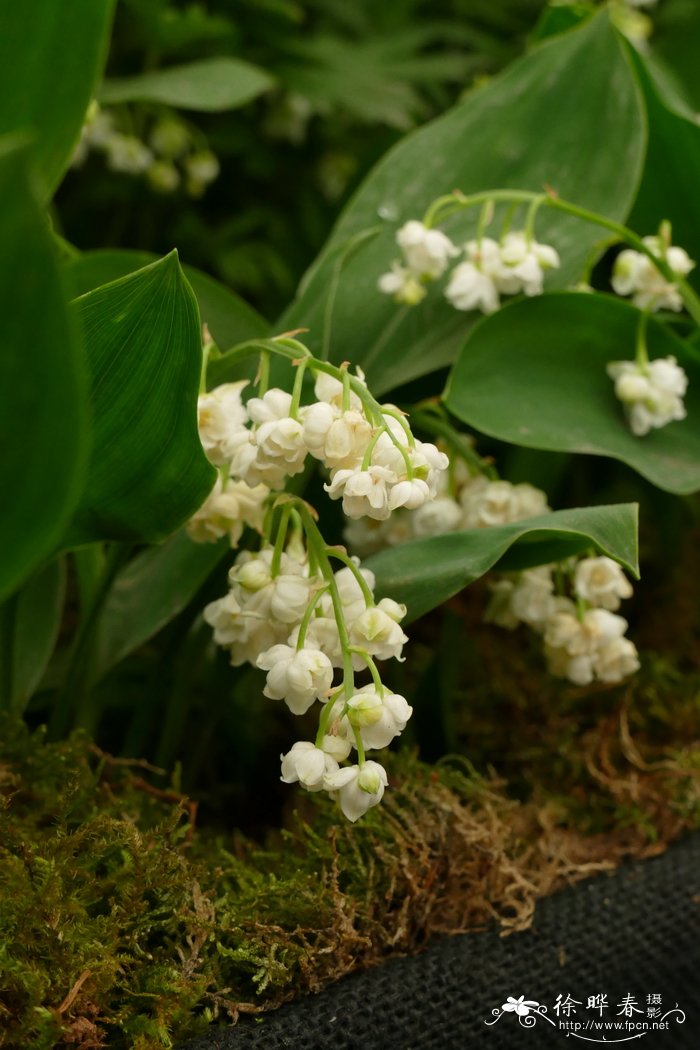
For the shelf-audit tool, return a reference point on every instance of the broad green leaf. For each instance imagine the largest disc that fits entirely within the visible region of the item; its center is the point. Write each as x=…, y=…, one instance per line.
x=212, y=85
x=51, y=58
x=44, y=432
x=669, y=186
x=425, y=573
x=148, y=472
x=150, y=591
x=525, y=129
x=231, y=320
x=29, y=623
x=534, y=374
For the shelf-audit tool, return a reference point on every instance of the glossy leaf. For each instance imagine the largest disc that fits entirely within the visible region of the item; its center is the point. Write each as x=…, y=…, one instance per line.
x=525, y=129
x=212, y=85
x=425, y=573
x=44, y=430
x=150, y=591
x=51, y=58
x=148, y=472
x=29, y=624
x=534, y=375
x=231, y=320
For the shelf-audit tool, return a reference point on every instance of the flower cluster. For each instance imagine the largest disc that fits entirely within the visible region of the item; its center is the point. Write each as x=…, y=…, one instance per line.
x=464, y=501
x=170, y=143
x=583, y=635
x=300, y=625
x=652, y=392
x=233, y=502
x=287, y=611
x=635, y=274
x=515, y=264
x=376, y=465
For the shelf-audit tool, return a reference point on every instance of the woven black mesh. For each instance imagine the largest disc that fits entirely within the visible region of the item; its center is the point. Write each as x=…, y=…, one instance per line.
x=636, y=932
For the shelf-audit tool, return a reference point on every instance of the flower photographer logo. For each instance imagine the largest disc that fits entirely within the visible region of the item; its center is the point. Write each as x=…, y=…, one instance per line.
x=620, y=1022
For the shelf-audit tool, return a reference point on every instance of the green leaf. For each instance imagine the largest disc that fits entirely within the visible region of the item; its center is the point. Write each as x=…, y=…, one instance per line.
x=669, y=187
x=425, y=573
x=525, y=129
x=231, y=320
x=150, y=591
x=29, y=625
x=534, y=374
x=212, y=85
x=44, y=432
x=148, y=472
x=51, y=58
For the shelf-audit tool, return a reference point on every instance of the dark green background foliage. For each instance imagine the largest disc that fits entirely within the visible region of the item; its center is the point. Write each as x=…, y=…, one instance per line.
x=368, y=72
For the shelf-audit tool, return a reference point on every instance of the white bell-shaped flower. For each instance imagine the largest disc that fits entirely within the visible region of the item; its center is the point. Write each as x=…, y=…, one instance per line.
x=281, y=446
x=223, y=615
x=275, y=404
x=532, y=598
x=377, y=630
x=290, y=598
x=378, y=718
x=278, y=439
x=317, y=419
x=601, y=581
x=307, y=764
x=411, y=494
x=337, y=746
x=573, y=643
x=403, y=284
x=251, y=573
x=616, y=661
x=427, y=251
x=635, y=274
x=299, y=677
x=357, y=788
x=487, y=503
x=222, y=419
x=227, y=509
x=437, y=517
x=469, y=288
x=363, y=492
x=523, y=264
x=329, y=389
x=652, y=394
x=338, y=439
x=586, y=634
